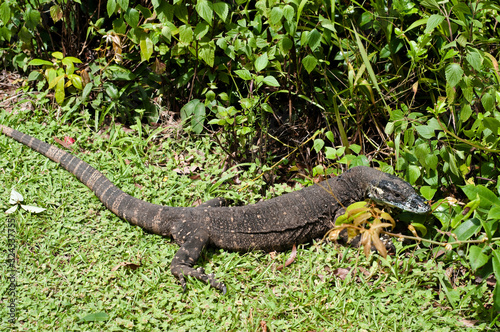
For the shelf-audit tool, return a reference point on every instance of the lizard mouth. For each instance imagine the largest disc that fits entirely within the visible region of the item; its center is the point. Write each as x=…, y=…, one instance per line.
x=414, y=204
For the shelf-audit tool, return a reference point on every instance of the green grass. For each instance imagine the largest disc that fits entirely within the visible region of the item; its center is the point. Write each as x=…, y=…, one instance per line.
x=66, y=254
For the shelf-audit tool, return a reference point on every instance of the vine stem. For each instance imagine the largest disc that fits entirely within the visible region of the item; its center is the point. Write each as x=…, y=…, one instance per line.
x=443, y=244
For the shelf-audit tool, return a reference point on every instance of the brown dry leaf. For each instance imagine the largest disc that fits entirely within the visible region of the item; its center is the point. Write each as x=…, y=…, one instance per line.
x=290, y=259
x=129, y=265
x=263, y=326
x=366, y=242
x=379, y=245
x=468, y=323
x=341, y=273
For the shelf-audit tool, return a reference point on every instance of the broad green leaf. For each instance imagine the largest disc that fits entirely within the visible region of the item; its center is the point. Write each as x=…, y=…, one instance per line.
x=474, y=59
x=275, y=16
x=123, y=4
x=413, y=173
x=207, y=53
x=419, y=227
x=95, y=317
x=496, y=296
x=5, y=13
x=318, y=144
x=55, y=81
x=288, y=12
x=60, y=95
x=185, y=34
x=330, y=153
x=432, y=22
x=221, y=9
x=32, y=18
x=147, y=47
x=86, y=91
x=477, y=258
x=111, y=7
x=454, y=74
x=427, y=192
x=132, y=17
x=56, y=13
x=201, y=30
x=243, y=74
x=488, y=102
x=494, y=213
x=487, y=197
x=309, y=63
x=314, y=39
x=468, y=228
x=204, y=9
x=466, y=111
x=270, y=81
x=58, y=55
x=40, y=62
x=425, y=131
x=261, y=62
x=76, y=80
x=431, y=4
x=286, y=44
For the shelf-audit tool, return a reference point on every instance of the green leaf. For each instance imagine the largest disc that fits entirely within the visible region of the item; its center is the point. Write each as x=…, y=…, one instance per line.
x=275, y=16
x=243, y=74
x=86, y=91
x=261, y=62
x=454, y=74
x=433, y=22
x=132, y=17
x=147, y=47
x=487, y=197
x=32, y=18
x=289, y=13
x=477, y=258
x=309, y=63
x=314, y=39
x=413, y=173
x=474, y=59
x=5, y=13
x=270, y=81
x=56, y=13
x=496, y=296
x=494, y=213
x=419, y=227
x=201, y=30
x=123, y=4
x=111, y=7
x=425, y=131
x=60, y=91
x=195, y=110
x=318, y=144
x=58, y=55
x=95, y=317
x=204, y=9
x=427, y=192
x=221, y=9
x=468, y=228
x=488, y=101
x=185, y=34
x=207, y=53
x=40, y=62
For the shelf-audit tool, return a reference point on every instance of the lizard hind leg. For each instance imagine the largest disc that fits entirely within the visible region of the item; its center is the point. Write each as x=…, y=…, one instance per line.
x=186, y=257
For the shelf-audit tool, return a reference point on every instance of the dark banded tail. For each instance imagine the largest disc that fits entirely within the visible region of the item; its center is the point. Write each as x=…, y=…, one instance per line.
x=149, y=216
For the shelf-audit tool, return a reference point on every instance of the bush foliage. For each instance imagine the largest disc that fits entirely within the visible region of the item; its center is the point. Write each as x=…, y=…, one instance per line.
x=409, y=86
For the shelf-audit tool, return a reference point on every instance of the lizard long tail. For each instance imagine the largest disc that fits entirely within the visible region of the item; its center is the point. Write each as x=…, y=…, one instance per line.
x=138, y=212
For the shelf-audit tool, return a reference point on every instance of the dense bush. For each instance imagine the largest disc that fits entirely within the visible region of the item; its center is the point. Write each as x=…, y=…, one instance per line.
x=411, y=86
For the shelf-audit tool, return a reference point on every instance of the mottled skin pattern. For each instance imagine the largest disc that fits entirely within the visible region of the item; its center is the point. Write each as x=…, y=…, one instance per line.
x=275, y=224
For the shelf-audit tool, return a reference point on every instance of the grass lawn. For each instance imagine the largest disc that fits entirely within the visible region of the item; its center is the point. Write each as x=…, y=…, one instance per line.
x=81, y=268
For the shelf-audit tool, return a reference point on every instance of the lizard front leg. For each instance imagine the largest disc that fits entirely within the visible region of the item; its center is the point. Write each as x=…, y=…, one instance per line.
x=186, y=257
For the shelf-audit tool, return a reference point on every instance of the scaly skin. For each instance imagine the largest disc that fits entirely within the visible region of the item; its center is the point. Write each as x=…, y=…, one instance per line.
x=275, y=224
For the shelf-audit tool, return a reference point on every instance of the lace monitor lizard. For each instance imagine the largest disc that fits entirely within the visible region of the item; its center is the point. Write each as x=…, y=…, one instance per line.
x=274, y=224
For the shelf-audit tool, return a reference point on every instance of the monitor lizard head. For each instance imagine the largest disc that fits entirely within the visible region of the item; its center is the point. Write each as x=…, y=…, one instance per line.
x=392, y=191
